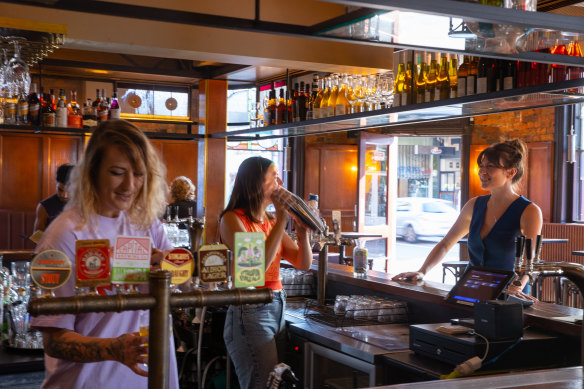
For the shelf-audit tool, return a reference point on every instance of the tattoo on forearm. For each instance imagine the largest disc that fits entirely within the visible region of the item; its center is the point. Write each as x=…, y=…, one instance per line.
x=90, y=351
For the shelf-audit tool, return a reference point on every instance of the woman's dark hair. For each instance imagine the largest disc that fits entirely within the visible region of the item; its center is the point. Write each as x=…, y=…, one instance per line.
x=248, y=193
x=507, y=155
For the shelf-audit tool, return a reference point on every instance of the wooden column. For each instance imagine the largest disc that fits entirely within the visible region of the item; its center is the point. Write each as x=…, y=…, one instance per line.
x=211, y=166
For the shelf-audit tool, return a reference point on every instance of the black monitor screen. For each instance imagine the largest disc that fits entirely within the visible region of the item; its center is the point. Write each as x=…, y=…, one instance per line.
x=479, y=285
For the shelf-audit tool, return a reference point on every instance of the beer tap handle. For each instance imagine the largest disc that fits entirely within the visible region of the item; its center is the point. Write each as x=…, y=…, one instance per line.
x=519, y=246
x=529, y=255
x=538, y=244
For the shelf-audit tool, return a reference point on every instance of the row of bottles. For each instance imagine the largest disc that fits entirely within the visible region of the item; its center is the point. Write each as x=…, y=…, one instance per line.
x=50, y=110
x=430, y=80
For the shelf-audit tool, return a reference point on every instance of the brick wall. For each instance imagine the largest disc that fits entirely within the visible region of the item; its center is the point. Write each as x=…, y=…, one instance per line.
x=532, y=125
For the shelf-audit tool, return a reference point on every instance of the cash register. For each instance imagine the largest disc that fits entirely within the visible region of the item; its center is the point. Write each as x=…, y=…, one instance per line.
x=505, y=339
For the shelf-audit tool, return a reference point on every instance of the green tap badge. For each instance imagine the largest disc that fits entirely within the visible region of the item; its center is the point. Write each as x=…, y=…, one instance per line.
x=249, y=257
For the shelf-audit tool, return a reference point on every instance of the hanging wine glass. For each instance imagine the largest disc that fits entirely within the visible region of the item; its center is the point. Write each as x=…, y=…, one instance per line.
x=21, y=74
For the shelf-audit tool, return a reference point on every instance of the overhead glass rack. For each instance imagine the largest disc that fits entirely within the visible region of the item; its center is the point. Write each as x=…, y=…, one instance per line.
x=463, y=28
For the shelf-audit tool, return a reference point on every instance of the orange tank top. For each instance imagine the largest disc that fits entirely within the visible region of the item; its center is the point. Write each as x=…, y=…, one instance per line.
x=273, y=272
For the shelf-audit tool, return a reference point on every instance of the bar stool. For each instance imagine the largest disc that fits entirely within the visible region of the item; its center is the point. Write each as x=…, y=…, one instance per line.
x=456, y=268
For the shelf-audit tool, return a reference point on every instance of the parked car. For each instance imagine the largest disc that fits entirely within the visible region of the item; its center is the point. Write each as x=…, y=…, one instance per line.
x=419, y=216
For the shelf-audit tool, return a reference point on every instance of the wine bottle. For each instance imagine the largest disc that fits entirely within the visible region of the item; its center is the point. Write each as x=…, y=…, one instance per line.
x=462, y=77
x=407, y=92
x=421, y=83
x=324, y=111
x=342, y=106
x=398, y=85
x=34, y=106
x=294, y=103
x=272, y=108
x=471, y=79
x=281, y=108
x=301, y=102
x=431, y=82
x=453, y=77
x=23, y=110
x=332, y=101
x=316, y=100
x=442, y=91
x=482, y=76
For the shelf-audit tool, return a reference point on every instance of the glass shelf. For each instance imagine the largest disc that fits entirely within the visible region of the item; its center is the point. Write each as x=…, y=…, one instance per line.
x=435, y=25
x=560, y=93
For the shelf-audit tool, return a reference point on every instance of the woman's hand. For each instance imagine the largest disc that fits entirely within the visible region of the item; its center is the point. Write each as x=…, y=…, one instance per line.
x=409, y=276
x=281, y=199
x=155, y=258
x=132, y=350
x=518, y=292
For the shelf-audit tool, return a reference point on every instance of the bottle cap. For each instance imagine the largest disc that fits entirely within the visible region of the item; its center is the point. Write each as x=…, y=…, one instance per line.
x=312, y=196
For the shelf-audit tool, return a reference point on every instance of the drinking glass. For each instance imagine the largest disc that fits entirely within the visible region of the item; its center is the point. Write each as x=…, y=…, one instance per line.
x=144, y=323
x=21, y=273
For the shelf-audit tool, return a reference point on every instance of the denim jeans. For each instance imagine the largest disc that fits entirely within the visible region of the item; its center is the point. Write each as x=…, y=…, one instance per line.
x=250, y=335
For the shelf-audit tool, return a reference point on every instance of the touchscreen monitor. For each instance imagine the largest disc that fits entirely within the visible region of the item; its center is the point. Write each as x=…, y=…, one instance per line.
x=479, y=284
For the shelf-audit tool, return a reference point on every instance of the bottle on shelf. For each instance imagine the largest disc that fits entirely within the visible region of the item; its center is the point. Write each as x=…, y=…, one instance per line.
x=10, y=104
x=398, y=85
x=471, y=78
x=96, y=103
x=23, y=110
x=408, y=90
x=289, y=106
x=272, y=108
x=332, y=100
x=326, y=93
x=294, y=103
x=103, y=108
x=34, y=106
x=114, y=111
x=463, y=76
x=442, y=91
x=421, y=83
x=301, y=102
x=281, y=109
x=61, y=114
x=89, y=115
x=309, y=98
x=453, y=77
x=75, y=117
x=342, y=105
x=575, y=72
x=359, y=88
x=432, y=81
x=317, y=87
x=49, y=113
x=307, y=103
x=351, y=95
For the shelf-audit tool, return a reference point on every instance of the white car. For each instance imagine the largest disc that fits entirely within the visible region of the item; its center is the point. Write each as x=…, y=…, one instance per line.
x=419, y=216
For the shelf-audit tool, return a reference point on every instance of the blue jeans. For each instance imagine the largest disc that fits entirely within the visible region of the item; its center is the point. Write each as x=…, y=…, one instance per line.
x=250, y=337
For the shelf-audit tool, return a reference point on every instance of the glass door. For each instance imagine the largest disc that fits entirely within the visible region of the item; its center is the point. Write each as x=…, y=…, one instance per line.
x=377, y=156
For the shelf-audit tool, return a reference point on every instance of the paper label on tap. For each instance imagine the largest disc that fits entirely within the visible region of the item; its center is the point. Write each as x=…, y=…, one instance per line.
x=249, y=259
x=179, y=262
x=50, y=269
x=92, y=262
x=213, y=263
x=131, y=263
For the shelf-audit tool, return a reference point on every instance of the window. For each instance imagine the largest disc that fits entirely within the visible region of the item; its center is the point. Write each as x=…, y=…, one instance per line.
x=139, y=101
x=240, y=111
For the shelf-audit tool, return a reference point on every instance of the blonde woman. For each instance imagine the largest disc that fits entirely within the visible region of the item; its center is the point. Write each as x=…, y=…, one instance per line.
x=182, y=191
x=117, y=189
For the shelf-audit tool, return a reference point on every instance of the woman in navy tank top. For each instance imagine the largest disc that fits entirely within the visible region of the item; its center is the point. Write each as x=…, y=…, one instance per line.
x=492, y=221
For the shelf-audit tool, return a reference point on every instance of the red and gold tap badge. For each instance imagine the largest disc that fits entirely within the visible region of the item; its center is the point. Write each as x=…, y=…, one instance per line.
x=92, y=262
x=179, y=262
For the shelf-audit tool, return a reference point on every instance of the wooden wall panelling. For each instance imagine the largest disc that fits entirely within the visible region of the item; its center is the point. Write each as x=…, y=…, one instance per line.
x=180, y=158
x=539, y=178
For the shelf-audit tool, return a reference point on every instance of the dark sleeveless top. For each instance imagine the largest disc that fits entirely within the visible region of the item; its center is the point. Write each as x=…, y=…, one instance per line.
x=497, y=250
x=54, y=206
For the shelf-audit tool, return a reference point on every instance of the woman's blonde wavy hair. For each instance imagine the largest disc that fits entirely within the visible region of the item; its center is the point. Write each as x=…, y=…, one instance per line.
x=149, y=203
x=182, y=188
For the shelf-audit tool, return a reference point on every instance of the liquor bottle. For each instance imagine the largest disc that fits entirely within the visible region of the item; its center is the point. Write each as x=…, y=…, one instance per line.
x=75, y=116
x=301, y=102
x=61, y=110
x=49, y=113
x=482, y=76
x=294, y=103
x=421, y=83
x=289, y=106
x=23, y=110
x=453, y=77
x=89, y=115
x=10, y=116
x=491, y=75
x=114, y=111
x=309, y=111
x=398, y=85
x=307, y=102
x=96, y=103
x=575, y=72
x=281, y=109
x=316, y=96
x=442, y=91
x=272, y=108
x=34, y=106
x=407, y=92
x=351, y=95
x=102, y=108
x=342, y=105
x=326, y=93
x=332, y=101
x=471, y=79
x=462, y=77
x=431, y=82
